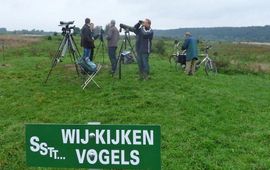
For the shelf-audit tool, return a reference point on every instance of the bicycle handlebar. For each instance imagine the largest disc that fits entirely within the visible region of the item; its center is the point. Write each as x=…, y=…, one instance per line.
x=184, y=52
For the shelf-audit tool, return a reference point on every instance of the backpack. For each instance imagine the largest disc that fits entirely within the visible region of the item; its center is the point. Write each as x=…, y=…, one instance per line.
x=87, y=65
x=181, y=59
x=127, y=57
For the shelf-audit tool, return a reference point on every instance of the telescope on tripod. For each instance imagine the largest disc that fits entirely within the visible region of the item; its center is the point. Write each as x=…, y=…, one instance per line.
x=67, y=45
x=124, y=48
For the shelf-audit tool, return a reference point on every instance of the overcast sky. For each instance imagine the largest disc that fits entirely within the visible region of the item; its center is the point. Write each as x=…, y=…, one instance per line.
x=46, y=14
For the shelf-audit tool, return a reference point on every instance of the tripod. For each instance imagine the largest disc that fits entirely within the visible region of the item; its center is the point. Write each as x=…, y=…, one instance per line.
x=69, y=44
x=123, y=52
x=101, y=46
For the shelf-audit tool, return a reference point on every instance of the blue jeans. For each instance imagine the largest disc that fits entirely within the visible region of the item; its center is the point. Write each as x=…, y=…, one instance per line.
x=86, y=54
x=92, y=54
x=143, y=63
x=113, y=59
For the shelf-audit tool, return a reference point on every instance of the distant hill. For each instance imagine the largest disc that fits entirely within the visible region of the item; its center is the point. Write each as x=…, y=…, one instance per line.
x=247, y=34
x=254, y=33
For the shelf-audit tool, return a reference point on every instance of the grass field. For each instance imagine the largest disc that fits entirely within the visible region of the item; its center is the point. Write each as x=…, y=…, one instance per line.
x=219, y=122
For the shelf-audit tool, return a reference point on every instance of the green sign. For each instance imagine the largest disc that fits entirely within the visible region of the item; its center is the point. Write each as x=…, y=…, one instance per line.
x=93, y=146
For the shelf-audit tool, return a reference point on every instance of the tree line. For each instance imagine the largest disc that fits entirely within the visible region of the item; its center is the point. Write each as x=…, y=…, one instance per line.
x=33, y=32
x=252, y=34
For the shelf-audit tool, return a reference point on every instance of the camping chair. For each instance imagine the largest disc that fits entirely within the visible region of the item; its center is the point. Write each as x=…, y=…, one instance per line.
x=90, y=77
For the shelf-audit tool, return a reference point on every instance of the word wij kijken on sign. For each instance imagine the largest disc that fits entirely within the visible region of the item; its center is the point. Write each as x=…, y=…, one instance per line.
x=93, y=146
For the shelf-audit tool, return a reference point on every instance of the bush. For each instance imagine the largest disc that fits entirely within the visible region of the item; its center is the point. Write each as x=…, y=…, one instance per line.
x=159, y=47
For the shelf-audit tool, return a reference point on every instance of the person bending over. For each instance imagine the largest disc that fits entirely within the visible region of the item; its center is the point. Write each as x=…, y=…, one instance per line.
x=190, y=45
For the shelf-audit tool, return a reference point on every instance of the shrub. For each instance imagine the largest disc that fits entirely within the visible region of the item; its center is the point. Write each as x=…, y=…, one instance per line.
x=159, y=47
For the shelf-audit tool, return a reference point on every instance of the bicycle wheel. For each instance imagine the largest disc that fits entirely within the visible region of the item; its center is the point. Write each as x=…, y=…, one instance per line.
x=198, y=65
x=210, y=68
x=180, y=67
x=172, y=58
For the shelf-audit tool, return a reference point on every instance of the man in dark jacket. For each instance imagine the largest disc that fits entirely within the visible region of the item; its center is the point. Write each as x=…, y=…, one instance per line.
x=190, y=45
x=144, y=36
x=113, y=38
x=86, y=39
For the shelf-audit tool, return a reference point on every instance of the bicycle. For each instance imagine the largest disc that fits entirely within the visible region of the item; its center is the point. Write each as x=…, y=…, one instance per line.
x=209, y=65
x=180, y=62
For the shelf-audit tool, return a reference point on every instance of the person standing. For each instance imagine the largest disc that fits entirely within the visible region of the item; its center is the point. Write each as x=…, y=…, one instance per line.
x=190, y=45
x=113, y=38
x=86, y=39
x=144, y=36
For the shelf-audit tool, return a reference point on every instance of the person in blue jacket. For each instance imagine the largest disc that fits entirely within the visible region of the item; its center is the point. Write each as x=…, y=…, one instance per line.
x=191, y=47
x=144, y=36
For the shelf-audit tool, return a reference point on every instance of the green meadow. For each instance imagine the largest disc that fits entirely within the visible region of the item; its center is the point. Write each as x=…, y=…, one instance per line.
x=207, y=122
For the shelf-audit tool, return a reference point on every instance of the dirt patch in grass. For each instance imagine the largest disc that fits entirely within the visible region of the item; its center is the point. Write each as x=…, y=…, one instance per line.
x=4, y=65
x=70, y=67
